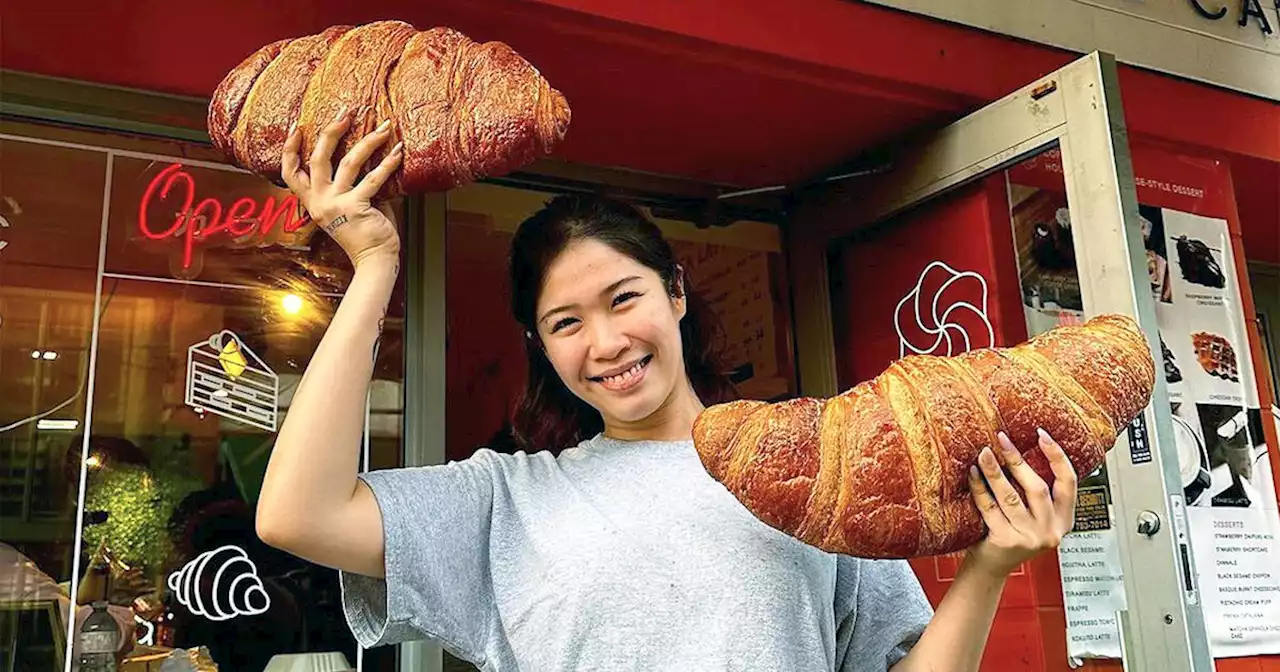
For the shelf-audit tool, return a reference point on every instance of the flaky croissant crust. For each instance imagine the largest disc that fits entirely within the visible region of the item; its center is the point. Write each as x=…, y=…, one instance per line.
x=464, y=110
x=880, y=471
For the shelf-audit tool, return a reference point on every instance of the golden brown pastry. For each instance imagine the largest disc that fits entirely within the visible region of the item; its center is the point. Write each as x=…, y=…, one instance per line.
x=880, y=471
x=464, y=110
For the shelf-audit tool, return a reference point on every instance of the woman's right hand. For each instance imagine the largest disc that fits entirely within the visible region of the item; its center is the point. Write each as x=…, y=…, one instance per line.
x=335, y=200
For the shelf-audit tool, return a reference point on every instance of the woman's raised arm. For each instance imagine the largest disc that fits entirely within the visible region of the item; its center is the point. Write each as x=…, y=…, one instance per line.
x=312, y=505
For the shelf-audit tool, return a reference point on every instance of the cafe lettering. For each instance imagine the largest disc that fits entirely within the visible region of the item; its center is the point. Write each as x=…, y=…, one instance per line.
x=1248, y=10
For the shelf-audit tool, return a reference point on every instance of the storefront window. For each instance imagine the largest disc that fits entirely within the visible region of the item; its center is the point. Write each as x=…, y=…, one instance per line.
x=211, y=297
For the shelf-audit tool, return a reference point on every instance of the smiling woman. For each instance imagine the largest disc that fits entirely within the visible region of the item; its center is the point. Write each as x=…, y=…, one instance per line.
x=616, y=337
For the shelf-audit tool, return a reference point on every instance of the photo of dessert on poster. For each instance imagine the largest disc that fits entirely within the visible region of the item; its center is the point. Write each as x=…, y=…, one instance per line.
x=1201, y=255
x=1203, y=327
x=1153, y=238
x=1046, y=253
x=1176, y=353
x=1235, y=453
x=1046, y=250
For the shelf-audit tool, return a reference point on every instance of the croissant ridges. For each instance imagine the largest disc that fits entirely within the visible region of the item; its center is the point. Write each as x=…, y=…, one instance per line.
x=880, y=471
x=464, y=110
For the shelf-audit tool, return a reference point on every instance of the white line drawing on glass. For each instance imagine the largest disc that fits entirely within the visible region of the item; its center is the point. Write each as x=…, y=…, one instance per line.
x=944, y=330
x=226, y=378
x=4, y=224
x=16, y=209
x=148, y=638
x=235, y=577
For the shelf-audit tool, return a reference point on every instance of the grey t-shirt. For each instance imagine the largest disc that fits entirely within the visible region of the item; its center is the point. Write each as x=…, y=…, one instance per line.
x=617, y=556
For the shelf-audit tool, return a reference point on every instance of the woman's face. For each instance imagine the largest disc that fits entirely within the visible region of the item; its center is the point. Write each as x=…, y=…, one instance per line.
x=611, y=331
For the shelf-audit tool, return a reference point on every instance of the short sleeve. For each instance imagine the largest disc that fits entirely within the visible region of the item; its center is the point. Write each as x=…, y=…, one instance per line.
x=436, y=525
x=881, y=611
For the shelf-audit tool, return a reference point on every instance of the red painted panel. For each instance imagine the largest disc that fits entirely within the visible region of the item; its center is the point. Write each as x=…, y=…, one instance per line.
x=1015, y=643
x=969, y=230
x=1053, y=628
x=1257, y=189
x=1238, y=665
x=878, y=272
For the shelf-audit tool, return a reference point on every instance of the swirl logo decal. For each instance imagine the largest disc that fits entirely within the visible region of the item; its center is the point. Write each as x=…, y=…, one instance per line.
x=220, y=585
x=946, y=320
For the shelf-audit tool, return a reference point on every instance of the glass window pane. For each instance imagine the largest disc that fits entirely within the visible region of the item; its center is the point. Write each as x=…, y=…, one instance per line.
x=49, y=232
x=197, y=359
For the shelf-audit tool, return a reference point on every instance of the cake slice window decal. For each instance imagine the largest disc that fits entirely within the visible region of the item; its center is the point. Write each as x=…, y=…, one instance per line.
x=955, y=319
x=226, y=378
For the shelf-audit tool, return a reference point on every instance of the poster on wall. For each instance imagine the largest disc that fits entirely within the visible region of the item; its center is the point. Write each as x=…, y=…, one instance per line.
x=736, y=284
x=1217, y=422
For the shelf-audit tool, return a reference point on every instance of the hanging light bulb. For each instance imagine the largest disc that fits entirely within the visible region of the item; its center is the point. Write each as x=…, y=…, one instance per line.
x=292, y=304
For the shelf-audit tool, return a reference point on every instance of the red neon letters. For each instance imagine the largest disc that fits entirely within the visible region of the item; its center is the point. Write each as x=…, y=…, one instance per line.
x=243, y=218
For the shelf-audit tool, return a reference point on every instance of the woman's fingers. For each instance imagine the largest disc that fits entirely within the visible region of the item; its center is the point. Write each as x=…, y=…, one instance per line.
x=350, y=165
x=373, y=181
x=986, y=503
x=291, y=166
x=1035, y=490
x=1064, y=480
x=1007, y=497
x=322, y=154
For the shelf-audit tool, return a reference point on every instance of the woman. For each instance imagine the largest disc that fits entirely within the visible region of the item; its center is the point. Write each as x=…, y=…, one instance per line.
x=620, y=552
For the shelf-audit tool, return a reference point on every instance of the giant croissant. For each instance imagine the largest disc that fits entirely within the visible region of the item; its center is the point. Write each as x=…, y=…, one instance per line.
x=880, y=471
x=463, y=110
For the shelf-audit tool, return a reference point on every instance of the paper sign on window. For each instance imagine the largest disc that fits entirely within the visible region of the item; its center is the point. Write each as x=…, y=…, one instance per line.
x=226, y=378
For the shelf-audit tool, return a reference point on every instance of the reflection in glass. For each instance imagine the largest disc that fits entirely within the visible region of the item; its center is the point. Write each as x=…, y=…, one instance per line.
x=50, y=222
x=168, y=550
x=191, y=382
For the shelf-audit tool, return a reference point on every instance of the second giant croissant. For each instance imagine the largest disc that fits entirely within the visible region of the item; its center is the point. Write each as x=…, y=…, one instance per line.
x=880, y=471
x=463, y=109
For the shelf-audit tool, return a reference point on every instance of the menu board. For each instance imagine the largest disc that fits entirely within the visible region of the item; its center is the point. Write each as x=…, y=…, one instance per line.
x=1222, y=454
x=735, y=282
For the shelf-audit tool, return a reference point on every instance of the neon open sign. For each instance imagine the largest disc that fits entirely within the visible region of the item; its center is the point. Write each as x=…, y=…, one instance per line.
x=204, y=222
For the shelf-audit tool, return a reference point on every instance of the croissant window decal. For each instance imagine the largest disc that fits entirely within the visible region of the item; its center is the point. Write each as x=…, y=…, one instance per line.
x=943, y=329
x=234, y=576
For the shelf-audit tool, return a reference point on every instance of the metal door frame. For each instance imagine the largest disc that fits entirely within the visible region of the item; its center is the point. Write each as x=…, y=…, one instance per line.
x=1077, y=107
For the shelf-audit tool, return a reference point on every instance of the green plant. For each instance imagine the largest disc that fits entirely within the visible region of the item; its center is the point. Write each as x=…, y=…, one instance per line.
x=138, y=505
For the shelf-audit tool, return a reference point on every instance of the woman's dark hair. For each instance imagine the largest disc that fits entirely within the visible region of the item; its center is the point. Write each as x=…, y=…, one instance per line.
x=548, y=415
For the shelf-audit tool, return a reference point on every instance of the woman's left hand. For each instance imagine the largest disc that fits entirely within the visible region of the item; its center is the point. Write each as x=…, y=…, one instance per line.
x=1019, y=530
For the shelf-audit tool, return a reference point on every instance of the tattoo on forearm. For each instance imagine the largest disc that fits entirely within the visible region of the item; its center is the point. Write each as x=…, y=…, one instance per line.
x=377, y=340
x=335, y=224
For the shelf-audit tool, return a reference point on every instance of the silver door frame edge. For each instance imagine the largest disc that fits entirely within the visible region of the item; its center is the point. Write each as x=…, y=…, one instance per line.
x=424, y=232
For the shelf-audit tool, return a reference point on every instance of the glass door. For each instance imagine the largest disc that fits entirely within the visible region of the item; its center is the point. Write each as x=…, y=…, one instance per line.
x=1004, y=224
